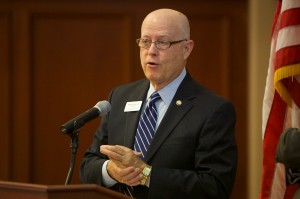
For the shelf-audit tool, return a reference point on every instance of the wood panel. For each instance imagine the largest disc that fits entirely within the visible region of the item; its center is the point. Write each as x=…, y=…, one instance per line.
x=5, y=105
x=20, y=97
x=238, y=92
x=73, y=68
x=66, y=56
x=211, y=56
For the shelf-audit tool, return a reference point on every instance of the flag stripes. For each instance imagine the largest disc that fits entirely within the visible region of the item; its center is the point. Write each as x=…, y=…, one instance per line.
x=282, y=95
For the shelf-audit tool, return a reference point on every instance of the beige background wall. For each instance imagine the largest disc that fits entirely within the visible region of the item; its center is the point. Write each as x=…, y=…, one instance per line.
x=261, y=15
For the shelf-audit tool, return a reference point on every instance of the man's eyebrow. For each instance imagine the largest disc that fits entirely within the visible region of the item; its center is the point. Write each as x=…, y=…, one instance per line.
x=159, y=38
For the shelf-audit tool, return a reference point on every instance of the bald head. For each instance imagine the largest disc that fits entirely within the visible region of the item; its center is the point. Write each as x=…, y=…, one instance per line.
x=165, y=45
x=169, y=19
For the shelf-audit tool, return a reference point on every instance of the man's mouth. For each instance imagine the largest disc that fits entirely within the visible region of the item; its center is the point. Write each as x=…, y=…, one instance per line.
x=152, y=64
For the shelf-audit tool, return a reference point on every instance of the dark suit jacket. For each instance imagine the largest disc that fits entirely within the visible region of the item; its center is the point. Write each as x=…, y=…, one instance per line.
x=193, y=152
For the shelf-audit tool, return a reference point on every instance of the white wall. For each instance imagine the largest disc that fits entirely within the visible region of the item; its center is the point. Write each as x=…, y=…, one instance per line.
x=261, y=15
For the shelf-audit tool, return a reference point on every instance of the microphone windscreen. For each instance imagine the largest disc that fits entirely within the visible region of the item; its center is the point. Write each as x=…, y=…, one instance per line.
x=103, y=107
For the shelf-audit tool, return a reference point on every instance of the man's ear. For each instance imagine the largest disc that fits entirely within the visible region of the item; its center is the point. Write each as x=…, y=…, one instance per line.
x=188, y=48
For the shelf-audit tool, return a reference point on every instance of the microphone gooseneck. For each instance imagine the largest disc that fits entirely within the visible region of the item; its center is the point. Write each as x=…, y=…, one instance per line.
x=73, y=126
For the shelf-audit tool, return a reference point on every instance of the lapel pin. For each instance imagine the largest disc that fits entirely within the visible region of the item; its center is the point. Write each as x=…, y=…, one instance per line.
x=178, y=102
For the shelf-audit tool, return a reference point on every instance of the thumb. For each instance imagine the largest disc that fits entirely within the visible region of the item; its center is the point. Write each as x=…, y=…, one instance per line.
x=137, y=153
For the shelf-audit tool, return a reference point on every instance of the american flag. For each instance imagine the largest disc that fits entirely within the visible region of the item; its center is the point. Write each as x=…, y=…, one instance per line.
x=282, y=96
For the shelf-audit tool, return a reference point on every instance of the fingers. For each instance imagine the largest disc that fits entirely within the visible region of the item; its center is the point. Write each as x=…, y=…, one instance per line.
x=129, y=175
x=138, y=154
x=118, y=173
x=116, y=152
x=112, y=152
x=125, y=164
x=121, y=155
x=133, y=179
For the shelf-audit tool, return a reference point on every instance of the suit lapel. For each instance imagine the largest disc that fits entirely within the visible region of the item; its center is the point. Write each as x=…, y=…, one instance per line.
x=174, y=114
x=132, y=118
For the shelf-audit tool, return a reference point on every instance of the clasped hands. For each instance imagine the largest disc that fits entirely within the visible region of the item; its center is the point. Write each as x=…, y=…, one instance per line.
x=125, y=164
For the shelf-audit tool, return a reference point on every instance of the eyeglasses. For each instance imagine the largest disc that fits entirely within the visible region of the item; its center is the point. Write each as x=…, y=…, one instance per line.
x=160, y=45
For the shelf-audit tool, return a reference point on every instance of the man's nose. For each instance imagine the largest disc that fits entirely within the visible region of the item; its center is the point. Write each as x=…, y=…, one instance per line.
x=152, y=49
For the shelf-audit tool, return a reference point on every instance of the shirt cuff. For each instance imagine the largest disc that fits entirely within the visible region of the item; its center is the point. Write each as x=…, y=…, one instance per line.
x=106, y=179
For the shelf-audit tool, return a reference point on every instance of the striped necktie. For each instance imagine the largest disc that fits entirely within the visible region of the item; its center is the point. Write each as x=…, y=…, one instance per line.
x=145, y=133
x=147, y=126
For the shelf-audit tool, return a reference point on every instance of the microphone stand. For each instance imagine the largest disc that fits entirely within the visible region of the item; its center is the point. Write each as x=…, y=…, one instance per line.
x=74, y=147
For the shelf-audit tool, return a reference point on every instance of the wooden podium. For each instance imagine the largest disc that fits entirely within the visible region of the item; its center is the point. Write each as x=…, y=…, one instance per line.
x=16, y=190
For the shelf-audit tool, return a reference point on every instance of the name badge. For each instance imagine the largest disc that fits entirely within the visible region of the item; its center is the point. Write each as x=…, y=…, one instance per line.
x=133, y=106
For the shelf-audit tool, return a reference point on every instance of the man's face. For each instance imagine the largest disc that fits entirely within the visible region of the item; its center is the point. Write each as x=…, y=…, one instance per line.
x=162, y=66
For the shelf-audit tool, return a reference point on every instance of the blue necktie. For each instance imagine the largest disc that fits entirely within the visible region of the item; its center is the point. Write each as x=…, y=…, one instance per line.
x=147, y=126
x=145, y=133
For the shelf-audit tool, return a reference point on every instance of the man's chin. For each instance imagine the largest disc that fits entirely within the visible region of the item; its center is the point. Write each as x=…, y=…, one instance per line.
x=153, y=77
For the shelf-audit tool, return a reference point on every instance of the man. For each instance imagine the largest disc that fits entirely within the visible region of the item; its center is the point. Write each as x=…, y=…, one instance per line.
x=192, y=153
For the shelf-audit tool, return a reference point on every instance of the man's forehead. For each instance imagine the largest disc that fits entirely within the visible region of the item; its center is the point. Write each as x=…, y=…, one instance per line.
x=161, y=29
x=155, y=33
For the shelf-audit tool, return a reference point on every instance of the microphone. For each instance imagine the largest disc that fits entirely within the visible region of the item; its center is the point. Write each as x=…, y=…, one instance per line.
x=101, y=108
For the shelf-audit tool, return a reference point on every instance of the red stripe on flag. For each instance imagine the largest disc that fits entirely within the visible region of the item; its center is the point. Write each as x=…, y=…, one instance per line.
x=272, y=134
x=290, y=191
x=278, y=9
x=289, y=18
x=287, y=56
